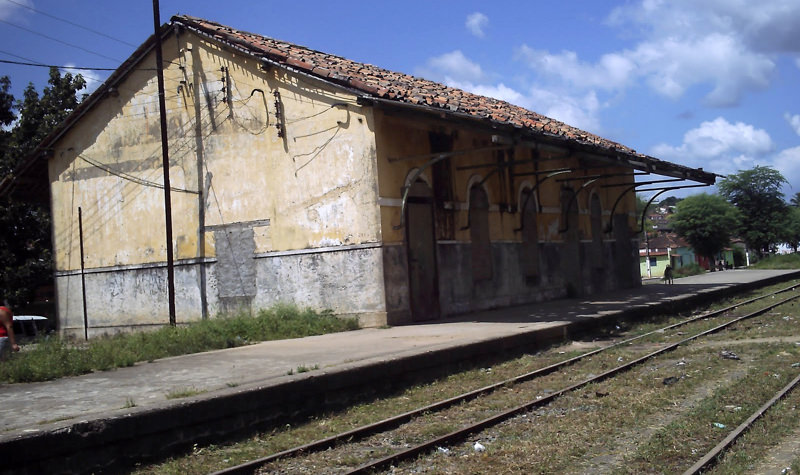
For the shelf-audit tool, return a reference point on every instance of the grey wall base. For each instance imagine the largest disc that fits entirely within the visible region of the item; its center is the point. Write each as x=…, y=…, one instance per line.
x=459, y=293
x=349, y=282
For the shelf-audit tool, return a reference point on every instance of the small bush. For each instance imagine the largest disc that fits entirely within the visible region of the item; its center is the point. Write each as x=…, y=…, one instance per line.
x=689, y=269
x=54, y=357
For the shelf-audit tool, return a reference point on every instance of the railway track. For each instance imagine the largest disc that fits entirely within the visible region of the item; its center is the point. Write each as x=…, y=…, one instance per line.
x=442, y=441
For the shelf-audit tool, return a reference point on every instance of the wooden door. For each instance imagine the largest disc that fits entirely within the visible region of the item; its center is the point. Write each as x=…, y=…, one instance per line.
x=423, y=280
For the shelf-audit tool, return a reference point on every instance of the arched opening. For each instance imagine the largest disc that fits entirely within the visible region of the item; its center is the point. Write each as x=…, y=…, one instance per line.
x=479, y=233
x=530, y=237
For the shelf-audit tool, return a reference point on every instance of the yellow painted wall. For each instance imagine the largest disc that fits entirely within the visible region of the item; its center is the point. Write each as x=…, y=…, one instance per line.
x=401, y=139
x=315, y=185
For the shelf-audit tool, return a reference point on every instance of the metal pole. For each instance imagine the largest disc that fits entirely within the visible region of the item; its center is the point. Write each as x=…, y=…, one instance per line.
x=83, y=277
x=165, y=152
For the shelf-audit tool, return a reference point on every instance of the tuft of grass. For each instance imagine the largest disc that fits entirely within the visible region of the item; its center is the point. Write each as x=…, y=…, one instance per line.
x=129, y=403
x=779, y=261
x=306, y=369
x=55, y=357
x=184, y=392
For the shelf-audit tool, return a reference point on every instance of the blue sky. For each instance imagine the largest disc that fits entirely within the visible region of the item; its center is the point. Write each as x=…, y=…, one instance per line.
x=710, y=84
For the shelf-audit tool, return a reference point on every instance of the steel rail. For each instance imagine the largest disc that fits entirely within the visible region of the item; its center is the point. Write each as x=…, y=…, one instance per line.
x=463, y=432
x=711, y=457
x=392, y=422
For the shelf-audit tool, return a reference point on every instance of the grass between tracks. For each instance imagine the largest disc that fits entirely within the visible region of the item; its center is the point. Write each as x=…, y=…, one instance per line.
x=627, y=421
x=54, y=357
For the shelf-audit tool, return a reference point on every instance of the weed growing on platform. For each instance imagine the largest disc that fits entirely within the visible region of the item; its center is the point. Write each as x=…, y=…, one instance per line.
x=54, y=357
x=184, y=392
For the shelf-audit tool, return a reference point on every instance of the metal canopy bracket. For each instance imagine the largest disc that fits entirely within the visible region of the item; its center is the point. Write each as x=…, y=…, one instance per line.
x=572, y=201
x=663, y=190
x=626, y=190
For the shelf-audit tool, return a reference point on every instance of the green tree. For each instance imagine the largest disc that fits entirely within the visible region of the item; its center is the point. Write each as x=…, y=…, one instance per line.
x=25, y=247
x=7, y=118
x=757, y=195
x=791, y=228
x=706, y=222
x=40, y=115
x=796, y=199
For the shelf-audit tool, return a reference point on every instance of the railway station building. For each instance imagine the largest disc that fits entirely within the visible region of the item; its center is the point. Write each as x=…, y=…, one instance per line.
x=303, y=177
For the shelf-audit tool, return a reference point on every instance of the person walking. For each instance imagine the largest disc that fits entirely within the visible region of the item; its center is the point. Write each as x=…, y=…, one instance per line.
x=8, y=341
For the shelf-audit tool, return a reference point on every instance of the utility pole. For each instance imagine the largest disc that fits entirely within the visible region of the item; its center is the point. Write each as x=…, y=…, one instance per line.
x=165, y=161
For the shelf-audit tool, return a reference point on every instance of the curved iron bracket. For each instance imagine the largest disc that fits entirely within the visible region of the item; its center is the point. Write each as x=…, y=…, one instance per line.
x=616, y=203
x=610, y=226
x=670, y=188
x=533, y=190
x=413, y=180
x=572, y=201
x=488, y=175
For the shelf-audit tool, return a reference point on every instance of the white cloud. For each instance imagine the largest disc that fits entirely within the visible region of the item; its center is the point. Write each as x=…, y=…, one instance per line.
x=720, y=146
x=454, y=67
x=726, y=45
x=577, y=111
x=500, y=91
x=93, y=79
x=788, y=163
x=671, y=66
x=476, y=23
x=768, y=28
x=794, y=121
x=8, y=9
x=612, y=71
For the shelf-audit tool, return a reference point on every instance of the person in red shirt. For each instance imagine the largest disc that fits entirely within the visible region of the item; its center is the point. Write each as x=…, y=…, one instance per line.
x=8, y=342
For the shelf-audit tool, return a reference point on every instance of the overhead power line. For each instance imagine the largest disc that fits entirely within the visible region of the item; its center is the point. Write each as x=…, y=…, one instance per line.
x=100, y=33
x=22, y=63
x=34, y=32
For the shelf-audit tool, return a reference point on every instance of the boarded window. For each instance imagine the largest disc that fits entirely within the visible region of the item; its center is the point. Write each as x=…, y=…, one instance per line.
x=479, y=234
x=530, y=238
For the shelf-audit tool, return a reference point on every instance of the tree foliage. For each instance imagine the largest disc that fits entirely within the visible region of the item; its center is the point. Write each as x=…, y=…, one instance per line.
x=757, y=195
x=796, y=199
x=791, y=228
x=25, y=247
x=706, y=222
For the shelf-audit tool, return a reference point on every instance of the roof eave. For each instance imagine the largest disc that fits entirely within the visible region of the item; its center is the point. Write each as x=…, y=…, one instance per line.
x=612, y=156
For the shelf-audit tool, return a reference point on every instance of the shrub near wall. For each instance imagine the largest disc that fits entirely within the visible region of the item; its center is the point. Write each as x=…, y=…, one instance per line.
x=54, y=357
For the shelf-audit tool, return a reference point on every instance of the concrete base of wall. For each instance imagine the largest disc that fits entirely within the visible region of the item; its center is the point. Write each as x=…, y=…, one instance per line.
x=509, y=285
x=348, y=281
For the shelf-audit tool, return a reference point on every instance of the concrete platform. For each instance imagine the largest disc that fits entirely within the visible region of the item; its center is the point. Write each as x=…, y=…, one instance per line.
x=82, y=424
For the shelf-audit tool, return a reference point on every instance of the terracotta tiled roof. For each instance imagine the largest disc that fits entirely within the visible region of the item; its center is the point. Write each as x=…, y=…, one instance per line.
x=372, y=82
x=381, y=83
